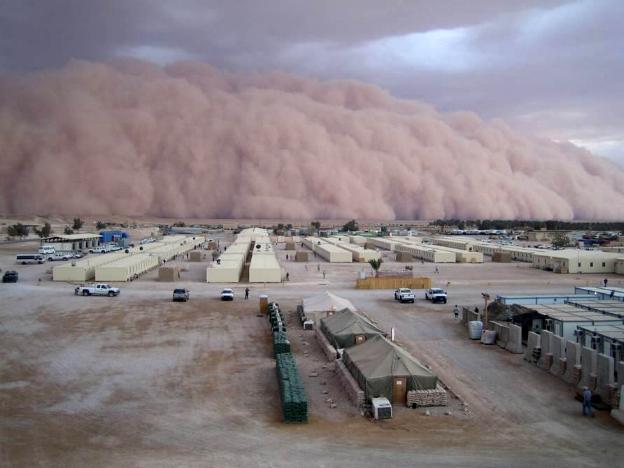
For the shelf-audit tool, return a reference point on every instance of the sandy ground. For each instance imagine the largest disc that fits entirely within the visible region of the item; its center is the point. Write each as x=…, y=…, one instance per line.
x=139, y=381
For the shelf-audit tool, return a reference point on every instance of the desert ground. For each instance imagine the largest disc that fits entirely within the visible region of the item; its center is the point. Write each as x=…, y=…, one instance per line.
x=139, y=381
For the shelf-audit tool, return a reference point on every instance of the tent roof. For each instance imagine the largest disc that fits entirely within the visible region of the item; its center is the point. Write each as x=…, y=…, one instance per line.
x=325, y=302
x=378, y=358
x=347, y=322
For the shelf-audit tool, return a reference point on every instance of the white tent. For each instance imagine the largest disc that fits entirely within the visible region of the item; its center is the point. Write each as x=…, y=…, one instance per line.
x=325, y=304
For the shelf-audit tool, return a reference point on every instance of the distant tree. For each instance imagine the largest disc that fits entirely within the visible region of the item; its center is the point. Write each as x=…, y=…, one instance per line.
x=45, y=231
x=383, y=230
x=376, y=264
x=461, y=225
x=99, y=225
x=289, y=226
x=315, y=226
x=560, y=240
x=350, y=226
x=179, y=224
x=18, y=230
x=78, y=223
x=68, y=230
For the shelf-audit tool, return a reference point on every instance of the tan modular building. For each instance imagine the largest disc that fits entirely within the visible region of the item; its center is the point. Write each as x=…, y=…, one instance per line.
x=358, y=240
x=461, y=256
x=227, y=271
x=264, y=266
x=359, y=253
x=576, y=261
x=619, y=266
x=461, y=244
x=72, y=242
x=386, y=243
x=126, y=268
x=426, y=253
x=333, y=253
x=83, y=269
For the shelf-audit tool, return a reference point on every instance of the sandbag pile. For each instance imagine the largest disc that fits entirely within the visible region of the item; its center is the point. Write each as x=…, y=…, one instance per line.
x=437, y=397
x=281, y=344
x=294, y=400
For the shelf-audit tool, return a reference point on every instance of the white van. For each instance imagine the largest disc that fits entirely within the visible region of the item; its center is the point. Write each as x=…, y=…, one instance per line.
x=47, y=250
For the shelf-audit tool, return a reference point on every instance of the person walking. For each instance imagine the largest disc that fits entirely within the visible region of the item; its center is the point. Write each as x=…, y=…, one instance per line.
x=456, y=312
x=587, y=406
x=605, y=281
x=437, y=270
x=246, y=293
x=287, y=276
x=323, y=274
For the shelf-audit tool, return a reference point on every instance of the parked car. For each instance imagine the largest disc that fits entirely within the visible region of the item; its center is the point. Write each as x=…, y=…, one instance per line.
x=47, y=250
x=60, y=257
x=436, y=295
x=404, y=295
x=227, y=295
x=181, y=294
x=97, y=290
x=10, y=276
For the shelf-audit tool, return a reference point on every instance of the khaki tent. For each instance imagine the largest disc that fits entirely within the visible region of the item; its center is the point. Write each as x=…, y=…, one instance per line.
x=346, y=328
x=383, y=369
x=324, y=305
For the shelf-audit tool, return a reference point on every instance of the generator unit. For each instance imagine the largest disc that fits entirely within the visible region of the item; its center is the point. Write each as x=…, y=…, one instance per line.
x=382, y=409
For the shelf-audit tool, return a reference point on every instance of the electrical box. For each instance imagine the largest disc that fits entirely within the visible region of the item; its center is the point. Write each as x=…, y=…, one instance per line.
x=382, y=409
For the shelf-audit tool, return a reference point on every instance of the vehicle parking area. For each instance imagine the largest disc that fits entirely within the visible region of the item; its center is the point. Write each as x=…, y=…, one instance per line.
x=139, y=380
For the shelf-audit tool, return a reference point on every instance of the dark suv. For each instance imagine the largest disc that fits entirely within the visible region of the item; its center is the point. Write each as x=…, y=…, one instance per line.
x=10, y=277
x=181, y=294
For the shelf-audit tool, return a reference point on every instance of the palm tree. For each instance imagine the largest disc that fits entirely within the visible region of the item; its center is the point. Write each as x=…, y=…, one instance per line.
x=376, y=264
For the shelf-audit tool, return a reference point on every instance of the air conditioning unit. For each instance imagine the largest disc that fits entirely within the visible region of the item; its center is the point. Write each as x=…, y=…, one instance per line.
x=382, y=409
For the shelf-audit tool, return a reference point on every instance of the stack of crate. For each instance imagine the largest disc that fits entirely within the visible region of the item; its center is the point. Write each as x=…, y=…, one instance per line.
x=294, y=400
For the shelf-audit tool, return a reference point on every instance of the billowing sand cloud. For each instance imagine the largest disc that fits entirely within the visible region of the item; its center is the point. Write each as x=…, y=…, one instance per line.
x=188, y=140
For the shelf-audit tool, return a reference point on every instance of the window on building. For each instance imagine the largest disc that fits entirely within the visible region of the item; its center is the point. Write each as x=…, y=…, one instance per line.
x=604, y=264
x=591, y=264
x=579, y=265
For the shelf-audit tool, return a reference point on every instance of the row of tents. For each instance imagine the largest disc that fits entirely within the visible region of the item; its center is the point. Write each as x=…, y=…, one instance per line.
x=380, y=367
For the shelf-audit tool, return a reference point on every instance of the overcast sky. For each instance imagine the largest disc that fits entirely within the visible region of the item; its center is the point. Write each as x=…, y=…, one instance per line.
x=551, y=68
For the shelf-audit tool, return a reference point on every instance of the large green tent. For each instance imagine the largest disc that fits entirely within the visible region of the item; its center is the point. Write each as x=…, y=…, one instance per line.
x=347, y=328
x=376, y=363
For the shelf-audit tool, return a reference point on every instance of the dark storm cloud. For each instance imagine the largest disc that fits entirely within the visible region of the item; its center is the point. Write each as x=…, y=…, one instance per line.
x=548, y=67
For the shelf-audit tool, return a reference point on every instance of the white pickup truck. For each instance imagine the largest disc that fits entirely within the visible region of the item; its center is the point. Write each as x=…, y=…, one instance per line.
x=97, y=290
x=436, y=295
x=404, y=295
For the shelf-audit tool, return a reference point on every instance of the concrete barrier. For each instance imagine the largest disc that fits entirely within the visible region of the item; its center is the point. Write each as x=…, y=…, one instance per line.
x=557, y=349
x=469, y=315
x=390, y=282
x=573, y=363
x=588, y=368
x=327, y=348
x=620, y=373
x=502, y=333
x=545, y=360
x=605, y=377
x=618, y=413
x=350, y=386
x=514, y=343
x=533, y=342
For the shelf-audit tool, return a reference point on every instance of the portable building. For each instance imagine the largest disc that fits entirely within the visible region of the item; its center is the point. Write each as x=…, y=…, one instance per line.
x=169, y=273
x=383, y=369
x=359, y=253
x=606, y=339
x=116, y=236
x=126, y=268
x=386, y=243
x=616, y=294
x=461, y=256
x=619, y=266
x=358, y=240
x=227, y=270
x=543, y=299
x=346, y=328
x=575, y=261
x=612, y=307
x=426, y=253
x=563, y=319
x=264, y=267
x=83, y=269
x=301, y=256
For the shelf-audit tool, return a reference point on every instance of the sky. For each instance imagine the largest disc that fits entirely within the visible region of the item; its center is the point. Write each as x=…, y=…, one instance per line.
x=551, y=68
